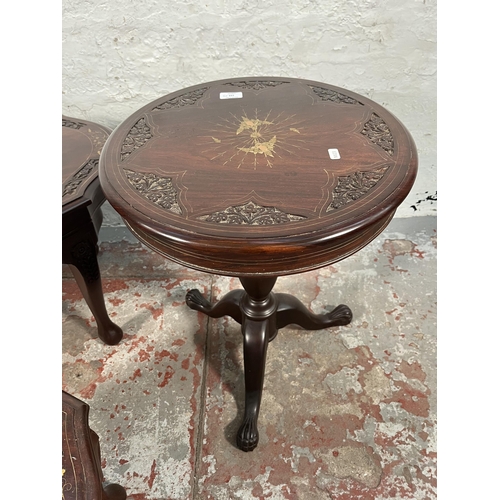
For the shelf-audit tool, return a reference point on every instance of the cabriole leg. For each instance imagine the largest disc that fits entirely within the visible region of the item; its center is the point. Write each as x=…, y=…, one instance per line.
x=82, y=262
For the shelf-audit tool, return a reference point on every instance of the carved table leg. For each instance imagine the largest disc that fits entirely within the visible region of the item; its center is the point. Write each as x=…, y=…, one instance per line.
x=85, y=268
x=258, y=307
x=261, y=314
x=292, y=311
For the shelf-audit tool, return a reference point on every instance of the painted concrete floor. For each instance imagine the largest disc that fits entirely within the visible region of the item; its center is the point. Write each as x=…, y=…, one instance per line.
x=347, y=413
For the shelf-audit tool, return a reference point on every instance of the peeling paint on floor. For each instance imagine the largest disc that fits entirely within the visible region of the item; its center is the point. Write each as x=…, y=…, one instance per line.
x=347, y=412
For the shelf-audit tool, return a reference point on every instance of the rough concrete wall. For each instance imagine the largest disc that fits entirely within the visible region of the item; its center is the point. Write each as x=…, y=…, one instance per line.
x=118, y=56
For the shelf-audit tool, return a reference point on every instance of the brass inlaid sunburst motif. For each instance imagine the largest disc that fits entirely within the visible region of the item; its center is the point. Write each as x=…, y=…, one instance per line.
x=254, y=140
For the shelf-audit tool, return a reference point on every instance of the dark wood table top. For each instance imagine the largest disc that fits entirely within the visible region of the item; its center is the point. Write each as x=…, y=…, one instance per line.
x=258, y=176
x=82, y=143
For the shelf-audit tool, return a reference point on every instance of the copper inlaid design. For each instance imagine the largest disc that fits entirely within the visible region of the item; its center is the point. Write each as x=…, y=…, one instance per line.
x=333, y=96
x=138, y=135
x=352, y=187
x=72, y=124
x=251, y=214
x=74, y=182
x=187, y=99
x=244, y=141
x=159, y=190
x=256, y=85
x=378, y=132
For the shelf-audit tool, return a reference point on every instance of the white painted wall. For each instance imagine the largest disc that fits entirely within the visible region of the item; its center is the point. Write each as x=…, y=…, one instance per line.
x=120, y=55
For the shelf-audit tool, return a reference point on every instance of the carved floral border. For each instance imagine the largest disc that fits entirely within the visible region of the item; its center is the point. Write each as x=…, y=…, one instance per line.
x=159, y=190
x=351, y=187
x=251, y=214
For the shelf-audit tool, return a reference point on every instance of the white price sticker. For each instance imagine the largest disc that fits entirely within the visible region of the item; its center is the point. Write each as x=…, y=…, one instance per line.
x=231, y=95
x=334, y=154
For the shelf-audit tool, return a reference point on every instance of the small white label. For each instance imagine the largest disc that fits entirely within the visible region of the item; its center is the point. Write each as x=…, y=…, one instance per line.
x=334, y=154
x=231, y=95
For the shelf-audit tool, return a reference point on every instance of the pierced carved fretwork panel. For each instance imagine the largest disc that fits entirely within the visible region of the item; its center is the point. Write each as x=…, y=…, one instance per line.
x=251, y=214
x=159, y=190
x=331, y=95
x=378, y=132
x=352, y=187
x=187, y=99
x=139, y=134
x=255, y=85
x=74, y=182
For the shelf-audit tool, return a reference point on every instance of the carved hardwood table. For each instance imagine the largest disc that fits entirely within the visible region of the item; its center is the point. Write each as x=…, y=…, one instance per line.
x=82, y=197
x=259, y=178
x=82, y=477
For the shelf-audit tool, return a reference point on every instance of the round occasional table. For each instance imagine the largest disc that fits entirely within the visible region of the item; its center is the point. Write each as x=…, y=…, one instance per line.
x=259, y=178
x=82, y=197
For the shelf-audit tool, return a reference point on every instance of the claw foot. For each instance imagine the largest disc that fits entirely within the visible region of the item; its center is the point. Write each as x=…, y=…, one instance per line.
x=342, y=315
x=248, y=435
x=196, y=301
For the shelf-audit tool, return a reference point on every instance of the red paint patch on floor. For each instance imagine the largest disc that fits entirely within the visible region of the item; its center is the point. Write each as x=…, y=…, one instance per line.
x=136, y=374
x=89, y=391
x=257, y=491
x=135, y=342
x=169, y=373
x=70, y=291
x=143, y=355
x=159, y=355
x=413, y=401
x=115, y=285
x=412, y=371
x=116, y=302
x=156, y=312
x=153, y=475
x=423, y=435
x=418, y=253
